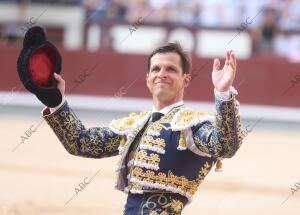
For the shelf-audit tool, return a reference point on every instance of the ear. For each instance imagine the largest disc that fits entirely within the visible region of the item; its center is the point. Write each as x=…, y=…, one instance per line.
x=186, y=80
x=147, y=80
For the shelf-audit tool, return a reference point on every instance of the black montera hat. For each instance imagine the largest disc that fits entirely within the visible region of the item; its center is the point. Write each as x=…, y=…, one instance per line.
x=37, y=62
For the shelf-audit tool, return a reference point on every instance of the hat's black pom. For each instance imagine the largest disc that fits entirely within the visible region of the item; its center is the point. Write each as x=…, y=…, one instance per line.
x=34, y=37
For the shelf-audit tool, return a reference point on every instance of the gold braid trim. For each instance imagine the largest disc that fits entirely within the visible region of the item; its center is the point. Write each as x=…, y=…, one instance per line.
x=148, y=142
x=170, y=182
x=125, y=125
x=186, y=118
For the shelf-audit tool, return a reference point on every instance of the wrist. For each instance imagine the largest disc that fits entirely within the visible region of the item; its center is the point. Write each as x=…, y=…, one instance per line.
x=226, y=95
x=221, y=90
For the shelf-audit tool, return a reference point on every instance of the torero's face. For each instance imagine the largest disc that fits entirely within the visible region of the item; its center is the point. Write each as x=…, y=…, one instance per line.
x=165, y=79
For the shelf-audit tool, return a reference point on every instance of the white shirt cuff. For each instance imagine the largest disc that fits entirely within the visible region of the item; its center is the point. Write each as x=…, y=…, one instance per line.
x=58, y=106
x=223, y=95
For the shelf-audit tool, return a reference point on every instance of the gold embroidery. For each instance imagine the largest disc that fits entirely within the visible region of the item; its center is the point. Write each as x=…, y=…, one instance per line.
x=182, y=142
x=152, y=159
x=164, y=213
x=150, y=141
x=112, y=144
x=162, y=200
x=228, y=118
x=94, y=142
x=204, y=171
x=127, y=123
x=223, y=137
x=124, y=156
x=207, y=138
x=189, y=115
x=168, y=117
x=136, y=187
x=176, y=182
x=122, y=142
x=165, y=119
x=155, y=128
x=176, y=205
x=160, y=204
x=153, y=213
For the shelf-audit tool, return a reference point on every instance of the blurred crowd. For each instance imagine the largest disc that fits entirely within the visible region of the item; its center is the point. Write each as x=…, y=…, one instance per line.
x=208, y=13
x=262, y=18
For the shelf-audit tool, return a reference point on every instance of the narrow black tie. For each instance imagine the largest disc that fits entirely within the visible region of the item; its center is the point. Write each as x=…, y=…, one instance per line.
x=156, y=116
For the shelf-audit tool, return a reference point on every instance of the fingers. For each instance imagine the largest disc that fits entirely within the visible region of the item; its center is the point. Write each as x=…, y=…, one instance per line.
x=61, y=83
x=216, y=65
x=230, y=59
x=58, y=77
x=233, y=58
x=227, y=57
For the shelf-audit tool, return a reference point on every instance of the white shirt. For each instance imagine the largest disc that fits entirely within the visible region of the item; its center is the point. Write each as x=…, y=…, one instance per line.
x=167, y=109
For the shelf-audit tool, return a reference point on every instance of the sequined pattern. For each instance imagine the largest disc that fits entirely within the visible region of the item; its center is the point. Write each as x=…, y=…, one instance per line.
x=223, y=137
x=157, y=144
x=162, y=204
x=93, y=142
x=159, y=203
x=150, y=166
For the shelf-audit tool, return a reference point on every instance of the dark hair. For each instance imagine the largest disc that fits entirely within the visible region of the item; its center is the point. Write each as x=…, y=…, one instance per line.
x=186, y=62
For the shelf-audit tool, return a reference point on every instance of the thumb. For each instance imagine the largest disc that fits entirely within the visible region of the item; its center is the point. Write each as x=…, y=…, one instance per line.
x=216, y=65
x=58, y=77
x=61, y=83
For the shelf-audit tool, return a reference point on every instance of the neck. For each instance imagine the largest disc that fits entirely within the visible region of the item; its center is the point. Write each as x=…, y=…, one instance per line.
x=158, y=104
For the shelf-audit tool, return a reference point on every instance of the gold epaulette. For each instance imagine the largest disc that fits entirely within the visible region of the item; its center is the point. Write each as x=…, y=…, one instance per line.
x=186, y=118
x=125, y=125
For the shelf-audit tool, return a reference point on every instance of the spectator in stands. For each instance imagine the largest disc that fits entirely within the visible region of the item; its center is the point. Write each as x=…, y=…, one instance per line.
x=9, y=34
x=117, y=10
x=266, y=16
x=253, y=9
x=290, y=16
x=233, y=16
x=52, y=1
x=96, y=9
x=139, y=9
x=188, y=12
x=163, y=10
x=225, y=13
x=212, y=13
x=268, y=31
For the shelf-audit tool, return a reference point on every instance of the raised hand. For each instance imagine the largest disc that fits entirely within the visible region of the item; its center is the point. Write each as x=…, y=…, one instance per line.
x=223, y=78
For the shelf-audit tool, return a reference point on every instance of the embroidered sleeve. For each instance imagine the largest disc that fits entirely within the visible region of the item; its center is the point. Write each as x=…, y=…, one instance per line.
x=93, y=142
x=222, y=137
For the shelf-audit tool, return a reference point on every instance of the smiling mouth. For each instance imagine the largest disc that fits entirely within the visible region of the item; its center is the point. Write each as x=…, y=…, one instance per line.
x=161, y=83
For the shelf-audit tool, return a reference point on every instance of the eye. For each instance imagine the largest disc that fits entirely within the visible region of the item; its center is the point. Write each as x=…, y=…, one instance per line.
x=171, y=69
x=155, y=69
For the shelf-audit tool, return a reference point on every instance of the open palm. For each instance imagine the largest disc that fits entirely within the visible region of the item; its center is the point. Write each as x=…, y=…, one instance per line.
x=223, y=78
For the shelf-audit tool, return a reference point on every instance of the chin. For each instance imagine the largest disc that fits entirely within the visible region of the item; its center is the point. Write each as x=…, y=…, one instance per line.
x=163, y=87
x=159, y=92
x=162, y=94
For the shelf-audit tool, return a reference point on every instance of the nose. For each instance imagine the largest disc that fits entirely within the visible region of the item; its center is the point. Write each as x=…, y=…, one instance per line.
x=162, y=73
